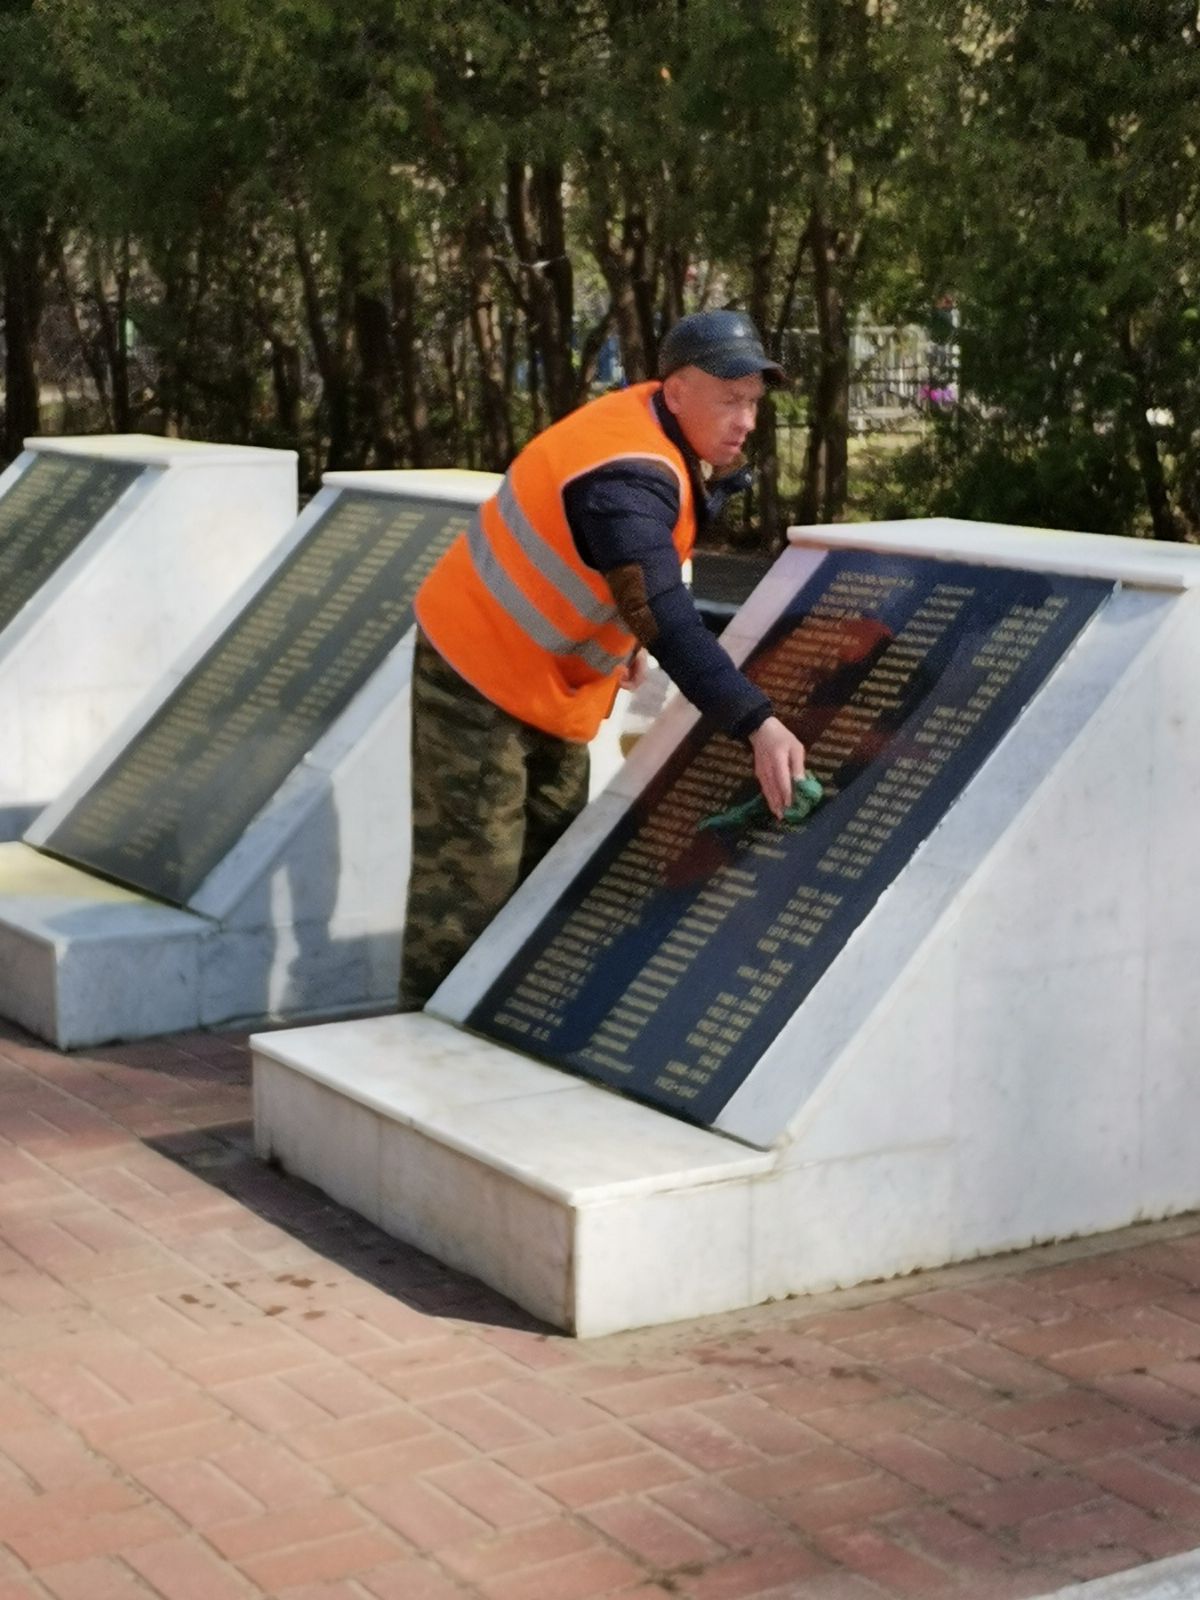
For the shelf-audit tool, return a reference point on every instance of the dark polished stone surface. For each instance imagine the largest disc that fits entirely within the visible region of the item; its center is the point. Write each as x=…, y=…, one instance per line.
x=180, y=794
x=47, y=514
x=675, y=956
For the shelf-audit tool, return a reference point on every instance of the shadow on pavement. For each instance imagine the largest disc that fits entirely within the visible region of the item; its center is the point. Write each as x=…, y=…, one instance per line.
x=223, y=1155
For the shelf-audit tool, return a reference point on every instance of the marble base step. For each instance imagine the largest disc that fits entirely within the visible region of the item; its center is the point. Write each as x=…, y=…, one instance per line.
x=1001, y=1055
x=84, y=961
x=590, y=1211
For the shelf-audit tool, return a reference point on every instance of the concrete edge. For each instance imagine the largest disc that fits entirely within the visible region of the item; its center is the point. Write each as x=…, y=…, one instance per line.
x=1176, y=1578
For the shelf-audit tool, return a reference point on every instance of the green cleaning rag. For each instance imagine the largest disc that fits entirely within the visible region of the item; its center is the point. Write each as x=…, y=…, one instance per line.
x=806, y=797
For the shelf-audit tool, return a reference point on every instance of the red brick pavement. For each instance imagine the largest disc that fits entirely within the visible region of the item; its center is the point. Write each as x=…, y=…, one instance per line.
x=215, y=1385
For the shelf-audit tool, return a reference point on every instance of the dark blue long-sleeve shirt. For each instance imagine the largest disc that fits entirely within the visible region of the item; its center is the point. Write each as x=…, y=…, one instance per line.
x=622, y=516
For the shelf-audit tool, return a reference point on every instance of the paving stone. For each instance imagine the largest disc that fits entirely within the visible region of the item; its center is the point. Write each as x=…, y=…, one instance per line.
x=97, y=1578
x=217, y=1385
x=598, y=1574
x=755, y=1573
x=493, y=1493
x=731, y=1518
x=691, y=1434
x=609, y=1480
x=479, y=1420
x=873, y=1554
x=478, y=1559
x=200, y=1494
x=183, y=1569
x=408, y=1580
x=323, y=1561
x=427, y=1518
x=655, y=1537
x=753, y=1419
x=1008, y=1504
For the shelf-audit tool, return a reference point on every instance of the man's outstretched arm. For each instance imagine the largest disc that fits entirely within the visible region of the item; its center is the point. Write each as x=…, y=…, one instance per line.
x=622, y=520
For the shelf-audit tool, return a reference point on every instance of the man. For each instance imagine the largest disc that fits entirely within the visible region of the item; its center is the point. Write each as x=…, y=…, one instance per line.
x=546, y=605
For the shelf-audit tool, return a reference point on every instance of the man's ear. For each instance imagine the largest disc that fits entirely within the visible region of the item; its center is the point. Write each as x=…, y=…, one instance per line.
x=673, y=386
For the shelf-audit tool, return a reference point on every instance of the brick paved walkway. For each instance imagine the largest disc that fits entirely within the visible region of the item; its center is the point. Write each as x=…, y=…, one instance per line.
x=215, y=1384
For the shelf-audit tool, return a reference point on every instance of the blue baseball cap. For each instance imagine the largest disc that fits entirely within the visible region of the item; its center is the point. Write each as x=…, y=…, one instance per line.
x=723, y=343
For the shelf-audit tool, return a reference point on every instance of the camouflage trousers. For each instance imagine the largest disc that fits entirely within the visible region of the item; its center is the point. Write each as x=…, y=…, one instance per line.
x=490, y=795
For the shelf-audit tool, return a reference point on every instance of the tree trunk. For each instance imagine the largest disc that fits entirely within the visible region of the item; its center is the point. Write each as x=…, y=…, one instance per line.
x=287, y=372
x=373, y=334
x=1154, y=483
x=168, y=371
x=97, y=367
x=344, y=448
x=549, y=192
x=545, y=284
x=675, y=271
x=630, y=289
x=453, y=396
x=286, y=381
x=494, y=413
x=20, y=263
x=766, y=453
x=119, y=356
x=241, y=383
x=190, y=364
x=826, y=460
x=331, y=353
x=535, y=380
x=408, y=361
x=772, y=530
x=589, y=356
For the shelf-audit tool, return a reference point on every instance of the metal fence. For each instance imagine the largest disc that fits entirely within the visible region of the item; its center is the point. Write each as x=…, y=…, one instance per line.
x=899, y=374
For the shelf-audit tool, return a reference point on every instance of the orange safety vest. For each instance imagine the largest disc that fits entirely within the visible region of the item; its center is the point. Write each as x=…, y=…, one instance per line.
x=513, y=607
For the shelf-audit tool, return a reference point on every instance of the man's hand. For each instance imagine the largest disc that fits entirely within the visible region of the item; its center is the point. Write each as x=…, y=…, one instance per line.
x=778, y=758
x=633, y=673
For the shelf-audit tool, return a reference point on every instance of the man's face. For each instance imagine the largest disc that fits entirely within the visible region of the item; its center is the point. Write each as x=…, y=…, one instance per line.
x=716, y=414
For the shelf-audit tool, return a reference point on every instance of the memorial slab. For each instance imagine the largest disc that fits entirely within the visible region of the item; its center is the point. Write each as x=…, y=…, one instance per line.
x=115, y=553
x=900, y=676
x=983, y=1043
x=253, y=812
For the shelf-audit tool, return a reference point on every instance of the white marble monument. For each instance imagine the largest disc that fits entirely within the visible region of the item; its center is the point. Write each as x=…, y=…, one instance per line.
x=1000, y=1052
x=164, y=890
x=115, y=552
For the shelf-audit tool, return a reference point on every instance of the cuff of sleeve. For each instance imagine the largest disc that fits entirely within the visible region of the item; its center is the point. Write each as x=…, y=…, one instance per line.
x=752, y=721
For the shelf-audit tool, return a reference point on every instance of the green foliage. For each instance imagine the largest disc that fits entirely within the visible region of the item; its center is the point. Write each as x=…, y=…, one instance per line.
x=387, y=234
x=1073, y=256
x=39, y=108
x=980, y=469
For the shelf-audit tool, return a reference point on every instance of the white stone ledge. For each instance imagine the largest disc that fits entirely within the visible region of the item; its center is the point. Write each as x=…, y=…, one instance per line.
x=1176, y=1578
x=1137, y=563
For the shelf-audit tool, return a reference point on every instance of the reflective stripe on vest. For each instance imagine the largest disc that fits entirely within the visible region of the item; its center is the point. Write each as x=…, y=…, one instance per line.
x=517, y=605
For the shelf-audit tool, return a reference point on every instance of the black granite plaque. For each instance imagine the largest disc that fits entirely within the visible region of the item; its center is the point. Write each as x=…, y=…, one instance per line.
x=180, y=794
x=677, y=954
x=47, y=514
